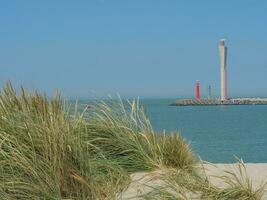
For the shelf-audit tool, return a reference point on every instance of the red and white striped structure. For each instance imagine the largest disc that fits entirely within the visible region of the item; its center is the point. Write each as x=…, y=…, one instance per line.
x=223, y=67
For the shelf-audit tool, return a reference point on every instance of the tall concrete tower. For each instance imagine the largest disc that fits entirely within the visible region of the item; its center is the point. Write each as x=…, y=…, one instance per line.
x=223, y=66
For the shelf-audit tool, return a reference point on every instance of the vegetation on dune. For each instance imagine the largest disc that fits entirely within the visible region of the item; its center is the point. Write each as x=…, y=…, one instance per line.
x=125, y=136
x=43, y=154
x=183, y=185
x=48, y=150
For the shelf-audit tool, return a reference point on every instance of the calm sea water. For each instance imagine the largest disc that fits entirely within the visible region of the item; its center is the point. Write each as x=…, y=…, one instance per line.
x=216, y=133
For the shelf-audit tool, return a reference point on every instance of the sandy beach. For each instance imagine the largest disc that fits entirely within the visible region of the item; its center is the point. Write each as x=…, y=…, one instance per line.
x=144, y=182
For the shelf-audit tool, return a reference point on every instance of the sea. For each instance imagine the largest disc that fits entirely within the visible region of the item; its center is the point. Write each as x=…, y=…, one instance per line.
x=218, y=134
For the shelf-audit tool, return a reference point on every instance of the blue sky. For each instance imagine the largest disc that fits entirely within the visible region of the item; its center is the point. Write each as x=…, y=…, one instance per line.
x=144, y=48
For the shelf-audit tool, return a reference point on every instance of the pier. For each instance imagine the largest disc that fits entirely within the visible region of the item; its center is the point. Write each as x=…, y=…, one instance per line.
x=217, y=102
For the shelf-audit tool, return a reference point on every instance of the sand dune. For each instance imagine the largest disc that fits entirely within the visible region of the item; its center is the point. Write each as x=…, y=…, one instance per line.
x=144, y=182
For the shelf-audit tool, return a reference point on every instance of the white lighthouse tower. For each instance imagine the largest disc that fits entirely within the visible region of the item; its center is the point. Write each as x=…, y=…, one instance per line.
x=223, y=67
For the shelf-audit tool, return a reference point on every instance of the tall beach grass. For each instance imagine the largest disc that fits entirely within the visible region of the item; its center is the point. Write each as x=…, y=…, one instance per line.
x=49, y=150
x=43, y=154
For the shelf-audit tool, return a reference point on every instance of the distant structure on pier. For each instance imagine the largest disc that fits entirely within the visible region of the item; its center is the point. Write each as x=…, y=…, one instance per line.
x=209, y=92
x=223, y=67
x=197, y=90
x=223, y=99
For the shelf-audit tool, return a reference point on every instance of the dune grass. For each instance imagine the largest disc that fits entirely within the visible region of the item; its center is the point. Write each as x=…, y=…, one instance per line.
x=125, y=136
x=238, y=186
x=49, y=150
x=183, y=185
x=43, y=154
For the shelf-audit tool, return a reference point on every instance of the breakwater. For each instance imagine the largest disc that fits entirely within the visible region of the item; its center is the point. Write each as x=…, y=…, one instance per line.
x=216, y=102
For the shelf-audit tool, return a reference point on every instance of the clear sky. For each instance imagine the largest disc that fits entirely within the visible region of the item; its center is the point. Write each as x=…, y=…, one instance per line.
x=146, y=48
